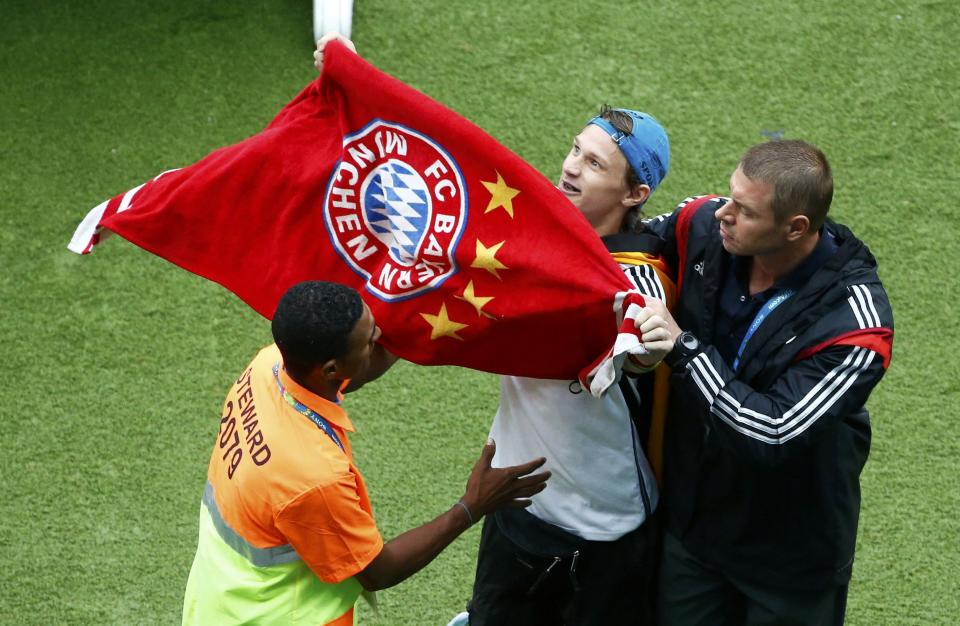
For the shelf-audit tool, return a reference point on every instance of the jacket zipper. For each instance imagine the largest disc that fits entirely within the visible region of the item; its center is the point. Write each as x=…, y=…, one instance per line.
x=644, y=496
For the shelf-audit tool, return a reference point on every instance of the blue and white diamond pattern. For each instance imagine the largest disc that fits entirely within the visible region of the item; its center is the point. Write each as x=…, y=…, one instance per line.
x=396, y=205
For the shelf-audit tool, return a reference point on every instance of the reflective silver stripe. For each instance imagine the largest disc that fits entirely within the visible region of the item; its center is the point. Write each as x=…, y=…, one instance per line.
x=260, y=557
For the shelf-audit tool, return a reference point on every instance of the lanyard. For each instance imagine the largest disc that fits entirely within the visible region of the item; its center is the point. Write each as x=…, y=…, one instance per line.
x=306, y=411
x=762, y=314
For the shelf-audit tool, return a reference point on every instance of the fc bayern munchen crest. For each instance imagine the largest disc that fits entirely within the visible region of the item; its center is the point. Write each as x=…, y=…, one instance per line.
x=395, y=208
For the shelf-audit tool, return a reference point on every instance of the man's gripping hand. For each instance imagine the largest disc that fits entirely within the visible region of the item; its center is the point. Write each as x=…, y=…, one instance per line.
x=654, y=331
x=322, y=44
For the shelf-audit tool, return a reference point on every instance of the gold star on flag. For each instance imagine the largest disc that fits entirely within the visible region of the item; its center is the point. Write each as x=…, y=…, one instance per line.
x=501, y=195
x=478, y=302
x=442, y=325
x=487, y=260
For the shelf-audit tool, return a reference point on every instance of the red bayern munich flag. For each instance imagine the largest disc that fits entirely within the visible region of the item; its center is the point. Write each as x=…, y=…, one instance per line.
x=465, y=253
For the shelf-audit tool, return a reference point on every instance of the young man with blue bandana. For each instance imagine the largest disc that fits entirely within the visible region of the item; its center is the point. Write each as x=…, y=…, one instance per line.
x=585, y=551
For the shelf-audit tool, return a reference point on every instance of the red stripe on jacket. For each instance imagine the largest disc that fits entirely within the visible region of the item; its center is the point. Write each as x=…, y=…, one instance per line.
x=880, y=340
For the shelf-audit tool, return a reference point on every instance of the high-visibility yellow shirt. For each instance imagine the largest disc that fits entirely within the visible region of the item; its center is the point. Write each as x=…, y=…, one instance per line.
x=285, y=520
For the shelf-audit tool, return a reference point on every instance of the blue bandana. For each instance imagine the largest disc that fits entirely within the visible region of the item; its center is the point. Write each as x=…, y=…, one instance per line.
x=646, y=148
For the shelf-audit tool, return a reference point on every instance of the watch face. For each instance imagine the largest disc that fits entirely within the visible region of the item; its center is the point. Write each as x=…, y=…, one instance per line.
x=688, y=341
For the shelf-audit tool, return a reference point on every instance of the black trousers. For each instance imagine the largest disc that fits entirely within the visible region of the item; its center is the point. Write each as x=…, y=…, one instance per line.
x=695, y=594
x=601, y=582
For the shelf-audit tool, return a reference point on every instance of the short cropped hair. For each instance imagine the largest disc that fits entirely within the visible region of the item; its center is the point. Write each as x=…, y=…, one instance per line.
x=312, y=323
x=799, y=174
x=624, y=123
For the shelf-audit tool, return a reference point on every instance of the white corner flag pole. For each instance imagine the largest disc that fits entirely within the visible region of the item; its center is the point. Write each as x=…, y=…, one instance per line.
x=332, y=16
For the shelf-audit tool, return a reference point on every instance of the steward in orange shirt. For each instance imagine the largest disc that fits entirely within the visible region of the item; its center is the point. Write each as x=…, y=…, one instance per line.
x=287, y=535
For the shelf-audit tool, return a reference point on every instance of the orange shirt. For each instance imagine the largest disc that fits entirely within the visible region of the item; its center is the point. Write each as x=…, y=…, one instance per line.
x=278, y=480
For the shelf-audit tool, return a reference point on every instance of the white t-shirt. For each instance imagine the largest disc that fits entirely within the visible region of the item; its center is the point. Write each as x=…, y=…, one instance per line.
x=591, y=447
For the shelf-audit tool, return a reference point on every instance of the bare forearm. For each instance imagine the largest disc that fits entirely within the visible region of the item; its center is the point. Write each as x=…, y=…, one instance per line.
x=406, y=554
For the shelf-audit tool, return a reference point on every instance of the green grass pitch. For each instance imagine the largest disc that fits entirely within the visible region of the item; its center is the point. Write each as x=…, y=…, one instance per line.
x=116, y=364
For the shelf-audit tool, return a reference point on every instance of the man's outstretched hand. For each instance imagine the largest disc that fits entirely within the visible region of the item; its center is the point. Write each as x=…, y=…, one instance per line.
x=491, y=488
x=488, y=489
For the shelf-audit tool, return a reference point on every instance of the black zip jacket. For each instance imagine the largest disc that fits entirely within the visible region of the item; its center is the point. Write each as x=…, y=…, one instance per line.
x=762, y=465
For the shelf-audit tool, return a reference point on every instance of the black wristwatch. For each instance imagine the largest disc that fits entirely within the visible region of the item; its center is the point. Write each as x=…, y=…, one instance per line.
x=685, y=347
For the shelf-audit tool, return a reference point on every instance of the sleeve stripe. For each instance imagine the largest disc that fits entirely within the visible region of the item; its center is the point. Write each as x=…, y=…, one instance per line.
x=852, y=365
x=863, y=309
x=709, y=394
x=873, y=309
x=710, y=373
x=793, y=421
x=856, y=311
x=852, y=362
x=850, y=379
x=638, y=280
x=683, y=203
x=655, y=284
x=646, y=280
x=701, y=374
